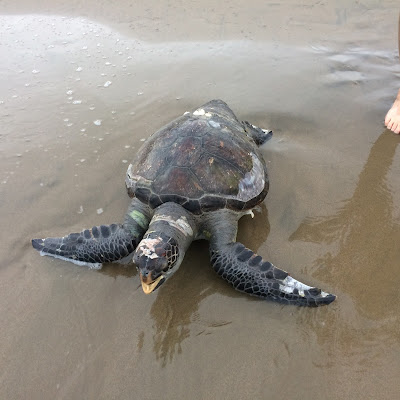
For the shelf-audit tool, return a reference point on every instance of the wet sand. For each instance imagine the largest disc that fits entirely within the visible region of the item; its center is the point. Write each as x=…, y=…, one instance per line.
x=82, y=84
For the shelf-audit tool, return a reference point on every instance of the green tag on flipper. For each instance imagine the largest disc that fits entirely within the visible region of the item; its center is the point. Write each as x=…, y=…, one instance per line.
x=138, y=217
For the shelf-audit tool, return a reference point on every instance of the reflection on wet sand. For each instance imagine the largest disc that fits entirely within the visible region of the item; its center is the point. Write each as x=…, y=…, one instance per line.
x=177, y=304
x=116, y=269
x=361, y=259
x=175, y=310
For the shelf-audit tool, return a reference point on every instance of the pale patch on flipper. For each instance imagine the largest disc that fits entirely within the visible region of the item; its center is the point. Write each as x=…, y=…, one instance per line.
x=71, y=260
x=289, y=284
x=253, y=182
x=181, y=223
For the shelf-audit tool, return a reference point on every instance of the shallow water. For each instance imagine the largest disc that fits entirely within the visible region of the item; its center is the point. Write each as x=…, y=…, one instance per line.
x=82, y=84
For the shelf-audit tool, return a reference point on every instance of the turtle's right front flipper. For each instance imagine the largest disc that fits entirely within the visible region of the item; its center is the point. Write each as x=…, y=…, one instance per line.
x=249, y=273
x=91, y=247
x=105, y=243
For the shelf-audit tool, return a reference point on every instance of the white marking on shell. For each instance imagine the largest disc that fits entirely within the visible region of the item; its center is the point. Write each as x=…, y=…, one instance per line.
x=186, y=113
x=132, y=178
x=199, y=111
x=253, y=182
x=214, y=124
x=147, y=246
x=181, y=223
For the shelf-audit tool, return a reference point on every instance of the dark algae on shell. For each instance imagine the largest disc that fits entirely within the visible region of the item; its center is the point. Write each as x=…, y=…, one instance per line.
x=206, y=159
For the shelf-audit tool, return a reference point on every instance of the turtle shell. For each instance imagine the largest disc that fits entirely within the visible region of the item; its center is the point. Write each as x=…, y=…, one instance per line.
x=202, y=160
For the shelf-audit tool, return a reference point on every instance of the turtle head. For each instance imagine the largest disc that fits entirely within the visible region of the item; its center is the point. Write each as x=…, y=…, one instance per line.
x=156, y=258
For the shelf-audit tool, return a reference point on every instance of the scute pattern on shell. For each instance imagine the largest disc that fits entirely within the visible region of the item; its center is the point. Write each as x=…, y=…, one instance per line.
x=200, y=161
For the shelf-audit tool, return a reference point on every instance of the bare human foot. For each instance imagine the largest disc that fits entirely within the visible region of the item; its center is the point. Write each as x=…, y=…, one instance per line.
x=392, y=120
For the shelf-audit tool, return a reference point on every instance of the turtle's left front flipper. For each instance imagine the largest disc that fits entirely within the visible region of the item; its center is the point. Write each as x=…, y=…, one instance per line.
x=249, y=273
x=101, y=244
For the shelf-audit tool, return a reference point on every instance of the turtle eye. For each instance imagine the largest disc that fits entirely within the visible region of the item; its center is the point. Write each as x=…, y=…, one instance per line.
x=160, y=251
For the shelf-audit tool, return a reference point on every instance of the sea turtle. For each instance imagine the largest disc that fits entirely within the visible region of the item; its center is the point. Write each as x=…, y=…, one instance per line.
x=192, y=179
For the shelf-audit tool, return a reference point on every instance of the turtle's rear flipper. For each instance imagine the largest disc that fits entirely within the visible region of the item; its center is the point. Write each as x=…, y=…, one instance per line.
x=260, y=136
x=247, y=272
x=91, y=247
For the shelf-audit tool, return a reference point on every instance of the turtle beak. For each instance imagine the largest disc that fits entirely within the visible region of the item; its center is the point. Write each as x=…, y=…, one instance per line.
x=149, y=287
